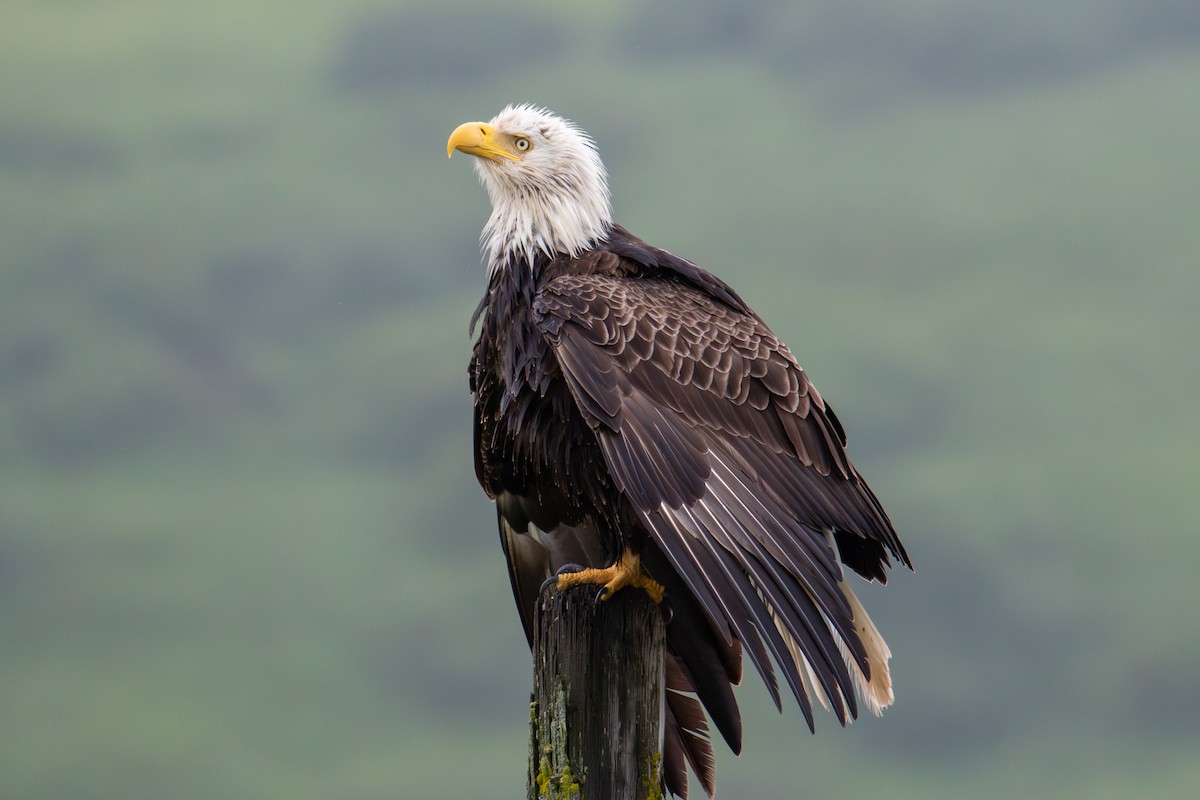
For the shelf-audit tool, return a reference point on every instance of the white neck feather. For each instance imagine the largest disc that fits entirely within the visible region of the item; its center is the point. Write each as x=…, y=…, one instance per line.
x=525, y=224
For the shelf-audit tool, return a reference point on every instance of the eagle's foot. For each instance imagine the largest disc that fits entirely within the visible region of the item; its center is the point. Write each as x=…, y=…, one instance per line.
x=627, y=571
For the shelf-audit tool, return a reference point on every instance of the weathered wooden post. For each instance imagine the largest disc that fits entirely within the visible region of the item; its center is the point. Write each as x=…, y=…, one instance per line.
x=597, y=713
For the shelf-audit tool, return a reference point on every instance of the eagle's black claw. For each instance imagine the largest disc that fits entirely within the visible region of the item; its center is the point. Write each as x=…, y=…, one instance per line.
x=565, y=569
x=668, y=610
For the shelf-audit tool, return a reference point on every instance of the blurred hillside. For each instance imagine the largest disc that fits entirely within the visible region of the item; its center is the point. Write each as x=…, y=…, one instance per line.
x=242, y=552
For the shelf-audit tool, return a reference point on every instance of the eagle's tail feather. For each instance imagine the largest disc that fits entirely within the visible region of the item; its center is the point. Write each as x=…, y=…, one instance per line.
x=686, y=735
x=873, y=687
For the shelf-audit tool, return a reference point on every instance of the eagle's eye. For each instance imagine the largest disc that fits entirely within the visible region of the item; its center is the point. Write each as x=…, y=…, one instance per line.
x=523, y=144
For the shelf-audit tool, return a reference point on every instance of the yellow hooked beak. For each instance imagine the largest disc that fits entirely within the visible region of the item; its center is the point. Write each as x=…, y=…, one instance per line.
x=478, y=139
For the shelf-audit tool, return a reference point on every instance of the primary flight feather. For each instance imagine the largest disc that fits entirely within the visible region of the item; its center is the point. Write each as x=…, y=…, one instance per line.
x=635, y=417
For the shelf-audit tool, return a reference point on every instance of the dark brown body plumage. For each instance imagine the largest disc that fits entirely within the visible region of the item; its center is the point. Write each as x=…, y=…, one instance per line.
x=626, y=398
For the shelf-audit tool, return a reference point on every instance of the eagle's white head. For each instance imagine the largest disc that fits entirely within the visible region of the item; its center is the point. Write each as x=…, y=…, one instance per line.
x=548, y=187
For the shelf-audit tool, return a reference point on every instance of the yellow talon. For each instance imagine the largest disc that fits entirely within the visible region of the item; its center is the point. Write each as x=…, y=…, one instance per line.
x=626, y=572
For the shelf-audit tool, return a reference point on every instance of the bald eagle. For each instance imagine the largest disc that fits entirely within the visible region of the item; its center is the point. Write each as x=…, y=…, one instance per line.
x=637, y=424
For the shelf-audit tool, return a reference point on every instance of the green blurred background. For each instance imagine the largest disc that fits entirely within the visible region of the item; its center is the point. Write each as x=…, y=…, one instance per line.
x=242, y=552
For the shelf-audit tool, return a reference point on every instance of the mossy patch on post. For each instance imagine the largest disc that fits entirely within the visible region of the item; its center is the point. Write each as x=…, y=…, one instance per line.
x=561, y=786
x=652, y=783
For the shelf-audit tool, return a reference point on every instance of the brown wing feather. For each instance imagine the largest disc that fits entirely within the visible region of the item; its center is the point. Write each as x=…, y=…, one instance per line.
x=733, y=460
x=528, y=565
x=718, y=370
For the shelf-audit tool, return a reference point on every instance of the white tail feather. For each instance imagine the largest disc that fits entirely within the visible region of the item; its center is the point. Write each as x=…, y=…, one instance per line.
x=812, y=685
x=875, y=694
